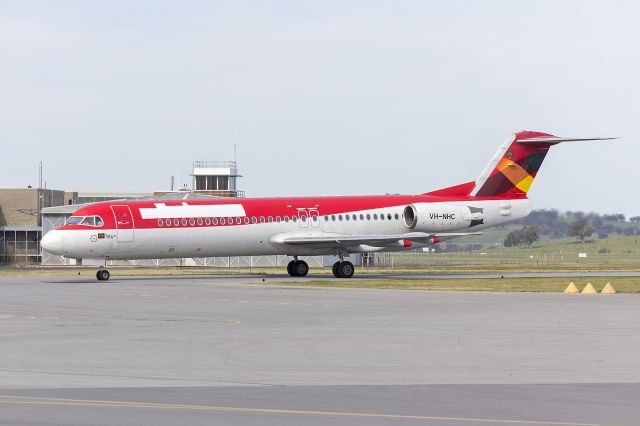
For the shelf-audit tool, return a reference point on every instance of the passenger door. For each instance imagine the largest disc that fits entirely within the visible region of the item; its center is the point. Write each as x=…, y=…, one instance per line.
x=303, y=218
x=314, y=218
x=124, y=223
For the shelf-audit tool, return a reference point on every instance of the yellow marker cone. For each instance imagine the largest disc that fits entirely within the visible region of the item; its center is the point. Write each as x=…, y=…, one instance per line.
x=589, y=289
x=571, y=288
x=608, y=289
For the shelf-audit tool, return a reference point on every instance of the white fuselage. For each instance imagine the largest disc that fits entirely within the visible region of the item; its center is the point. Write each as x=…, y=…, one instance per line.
x=264, y=238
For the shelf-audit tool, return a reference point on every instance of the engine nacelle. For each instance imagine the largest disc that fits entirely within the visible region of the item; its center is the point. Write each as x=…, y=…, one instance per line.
x=436, y=217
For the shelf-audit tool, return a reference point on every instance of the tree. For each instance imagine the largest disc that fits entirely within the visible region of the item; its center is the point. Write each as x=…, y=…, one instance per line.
x=617, y=217
x=580, y=228
x=525, y=236
x=635, y=219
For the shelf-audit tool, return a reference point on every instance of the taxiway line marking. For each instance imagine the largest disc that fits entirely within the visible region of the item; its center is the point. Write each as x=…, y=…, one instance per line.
x=12, y=399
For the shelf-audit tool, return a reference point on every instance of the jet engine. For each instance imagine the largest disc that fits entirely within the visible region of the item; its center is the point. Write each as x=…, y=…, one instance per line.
x=437, y=217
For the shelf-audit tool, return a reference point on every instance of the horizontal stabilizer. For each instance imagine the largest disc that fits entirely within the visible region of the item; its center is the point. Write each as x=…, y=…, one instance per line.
x=556, y=139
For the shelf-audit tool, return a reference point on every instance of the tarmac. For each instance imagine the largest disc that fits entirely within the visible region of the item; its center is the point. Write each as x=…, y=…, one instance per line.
x=219, y=350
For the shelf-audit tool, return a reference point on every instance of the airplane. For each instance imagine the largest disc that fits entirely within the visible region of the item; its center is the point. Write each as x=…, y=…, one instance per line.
x=307, y=226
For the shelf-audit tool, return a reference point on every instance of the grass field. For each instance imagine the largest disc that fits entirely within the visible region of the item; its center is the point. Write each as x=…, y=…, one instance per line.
x=615, y=253
x=621, y=284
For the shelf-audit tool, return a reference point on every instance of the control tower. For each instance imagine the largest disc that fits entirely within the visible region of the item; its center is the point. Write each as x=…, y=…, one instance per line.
x=217, y=178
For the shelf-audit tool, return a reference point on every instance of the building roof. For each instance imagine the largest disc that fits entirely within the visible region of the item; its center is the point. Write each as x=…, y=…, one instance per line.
x=72, y=208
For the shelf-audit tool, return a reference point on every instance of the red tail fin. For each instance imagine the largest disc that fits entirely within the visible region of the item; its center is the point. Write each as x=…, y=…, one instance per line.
x=512, y=169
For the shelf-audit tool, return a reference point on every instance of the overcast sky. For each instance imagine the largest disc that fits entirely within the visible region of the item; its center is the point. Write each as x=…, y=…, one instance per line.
x=321, y=97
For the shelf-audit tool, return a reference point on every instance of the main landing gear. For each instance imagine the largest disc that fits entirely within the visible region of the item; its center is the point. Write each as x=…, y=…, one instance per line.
x=343, y=269
x=103, y=275
x=298, y=268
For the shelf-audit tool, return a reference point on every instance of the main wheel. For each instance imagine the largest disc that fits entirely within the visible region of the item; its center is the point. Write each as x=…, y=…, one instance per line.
x=103, y=275
x=290, y=268
x=335, y=269
x=345, y=269
x=300, y=268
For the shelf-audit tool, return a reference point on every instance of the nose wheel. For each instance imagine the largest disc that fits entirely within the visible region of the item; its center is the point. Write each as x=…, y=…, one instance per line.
x=298, y=268
x=343, y=269
x=103, y=275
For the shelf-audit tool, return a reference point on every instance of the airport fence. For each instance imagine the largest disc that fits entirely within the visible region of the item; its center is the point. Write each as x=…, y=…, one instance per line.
x=489, y=256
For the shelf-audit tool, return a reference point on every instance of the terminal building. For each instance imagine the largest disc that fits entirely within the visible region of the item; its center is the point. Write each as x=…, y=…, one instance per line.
x=21, y=221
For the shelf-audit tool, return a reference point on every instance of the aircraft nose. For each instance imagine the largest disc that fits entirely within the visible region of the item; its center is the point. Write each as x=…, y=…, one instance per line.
x=53, y=242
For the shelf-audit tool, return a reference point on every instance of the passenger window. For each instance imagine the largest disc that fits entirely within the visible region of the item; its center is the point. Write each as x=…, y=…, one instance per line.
x=326, y=218
x=176, y=222
x=192, y=221
x=160, y=223
x=238, y=221
x=389, y=216
x=294, y=218
x=261, y=219
x=215, y=220
x=167, y=222
x=207, y=221
x=278, y=219
x=270, y=219
x=396, y=216
x=361, y=217
x=354, y=217
x=368, y=217
x=303, y=218
x=254, y=220
x=314, y=218
x=184, y=222
x=333, y=218
x=286, y=219
x=200, y=221
x=346, y=217
x=246, y=220
x=222, y=221
x=340, y=217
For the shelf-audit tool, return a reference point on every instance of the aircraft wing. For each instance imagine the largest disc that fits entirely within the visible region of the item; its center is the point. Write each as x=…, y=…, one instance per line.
x=350, y=240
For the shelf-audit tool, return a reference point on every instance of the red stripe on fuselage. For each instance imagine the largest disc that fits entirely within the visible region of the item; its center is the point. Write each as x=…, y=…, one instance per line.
x=261, y=207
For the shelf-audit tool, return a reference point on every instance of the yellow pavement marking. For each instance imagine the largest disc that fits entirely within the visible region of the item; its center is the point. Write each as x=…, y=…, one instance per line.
x=12, y=399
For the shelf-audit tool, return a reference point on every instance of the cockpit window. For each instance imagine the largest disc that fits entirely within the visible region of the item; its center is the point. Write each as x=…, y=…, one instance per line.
x=89, y=220
x=85, y=220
